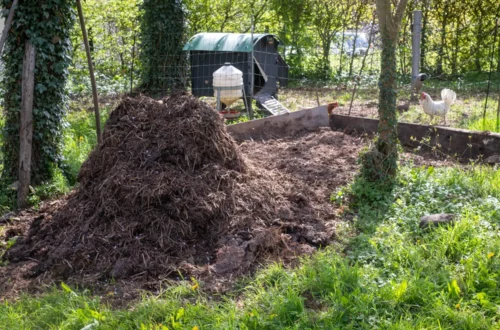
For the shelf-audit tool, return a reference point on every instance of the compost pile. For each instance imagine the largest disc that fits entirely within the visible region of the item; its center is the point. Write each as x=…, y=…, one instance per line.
x=167, y=188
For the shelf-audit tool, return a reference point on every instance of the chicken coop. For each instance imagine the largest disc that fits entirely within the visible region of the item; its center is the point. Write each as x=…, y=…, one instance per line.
x=208, y=52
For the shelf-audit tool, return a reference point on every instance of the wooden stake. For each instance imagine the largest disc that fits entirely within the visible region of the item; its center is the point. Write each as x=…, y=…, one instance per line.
x=8, y=23
x=91, y=71
x=26, y=127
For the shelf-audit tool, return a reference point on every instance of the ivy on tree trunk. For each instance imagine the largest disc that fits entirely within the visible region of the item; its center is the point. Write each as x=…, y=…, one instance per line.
x=380, y=162
x=47, y=25
x=164, y=65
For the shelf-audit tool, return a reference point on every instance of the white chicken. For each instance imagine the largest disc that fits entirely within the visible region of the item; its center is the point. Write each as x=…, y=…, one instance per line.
x=438, y=108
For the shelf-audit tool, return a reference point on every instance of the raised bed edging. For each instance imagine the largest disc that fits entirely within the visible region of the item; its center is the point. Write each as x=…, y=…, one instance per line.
x=453, y=141
x=464, y=144
x=280, y=125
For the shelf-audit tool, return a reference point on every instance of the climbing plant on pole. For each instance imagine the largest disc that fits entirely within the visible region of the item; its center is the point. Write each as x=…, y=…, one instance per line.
x=380, y=163
x=164, y=65
x=47, y=24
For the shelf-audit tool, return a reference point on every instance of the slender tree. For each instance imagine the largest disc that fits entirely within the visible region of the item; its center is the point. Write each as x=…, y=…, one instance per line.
x=424, y=36
x=380, y=163
x=327, y=21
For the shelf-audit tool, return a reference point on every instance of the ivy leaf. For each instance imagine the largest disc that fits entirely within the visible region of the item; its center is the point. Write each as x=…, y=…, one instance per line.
x=40, y=88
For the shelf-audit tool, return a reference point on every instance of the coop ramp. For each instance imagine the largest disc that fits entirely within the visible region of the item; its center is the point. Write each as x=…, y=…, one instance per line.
x=269, y=103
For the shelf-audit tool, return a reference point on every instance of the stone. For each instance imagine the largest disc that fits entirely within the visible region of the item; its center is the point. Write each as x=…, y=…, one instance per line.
x=229, y=258
x=6, y=217
x=494, y=159
x=267, y=238
x=436, y=219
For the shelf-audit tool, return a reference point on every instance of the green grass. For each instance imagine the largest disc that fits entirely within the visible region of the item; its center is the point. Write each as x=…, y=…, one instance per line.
x=385, y=273
x=489, y=123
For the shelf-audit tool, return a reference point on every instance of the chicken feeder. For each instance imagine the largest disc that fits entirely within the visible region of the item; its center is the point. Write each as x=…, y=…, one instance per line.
x=228, y=87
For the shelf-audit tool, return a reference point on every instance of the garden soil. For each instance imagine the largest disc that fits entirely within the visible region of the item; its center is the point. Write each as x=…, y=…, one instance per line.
x=169, y=192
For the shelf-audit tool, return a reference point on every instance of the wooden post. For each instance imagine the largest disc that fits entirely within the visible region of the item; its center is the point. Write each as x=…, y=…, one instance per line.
x=8, y=23
x=26, y=126
x=91, y=71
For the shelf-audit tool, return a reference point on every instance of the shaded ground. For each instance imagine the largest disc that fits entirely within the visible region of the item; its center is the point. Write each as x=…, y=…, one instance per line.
x=306, y=167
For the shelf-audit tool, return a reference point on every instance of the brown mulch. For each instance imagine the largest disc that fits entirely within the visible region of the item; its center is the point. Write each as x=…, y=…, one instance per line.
x=169, y=192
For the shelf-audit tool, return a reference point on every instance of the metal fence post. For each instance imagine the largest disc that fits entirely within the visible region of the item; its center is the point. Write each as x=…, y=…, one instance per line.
x=250, y=111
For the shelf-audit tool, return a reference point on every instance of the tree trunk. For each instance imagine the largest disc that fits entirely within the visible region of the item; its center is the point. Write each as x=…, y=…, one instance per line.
x=358, y=18
x=26, y=127
x=326, y=58
x=49, y=102
x=163, y=63
x=479, y=41
x=341, y=51
x=95, y=97
x=454, y=63
x=7, y=25
x=439, y=69
x=498, y=56
x=91, y=39
x=380, y=163
x=423, y=43
x=402, y=54
x=402, y=50
x=387, y=128
x=498, y=113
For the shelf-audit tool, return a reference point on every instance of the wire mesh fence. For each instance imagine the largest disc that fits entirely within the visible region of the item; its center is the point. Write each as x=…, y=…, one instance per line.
x=292, y=73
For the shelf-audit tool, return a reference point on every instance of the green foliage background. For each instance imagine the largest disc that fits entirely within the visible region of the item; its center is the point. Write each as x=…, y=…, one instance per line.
x=456, y=38
x=112, y=26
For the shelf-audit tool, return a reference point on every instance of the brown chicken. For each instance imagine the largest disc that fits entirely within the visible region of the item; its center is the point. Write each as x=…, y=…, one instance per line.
x=331, y=107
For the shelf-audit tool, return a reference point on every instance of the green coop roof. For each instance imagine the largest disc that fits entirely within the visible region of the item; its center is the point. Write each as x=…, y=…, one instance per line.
x=224, y=42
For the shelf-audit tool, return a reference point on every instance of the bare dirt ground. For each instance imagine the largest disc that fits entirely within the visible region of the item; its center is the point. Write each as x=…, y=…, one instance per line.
x=308, y=166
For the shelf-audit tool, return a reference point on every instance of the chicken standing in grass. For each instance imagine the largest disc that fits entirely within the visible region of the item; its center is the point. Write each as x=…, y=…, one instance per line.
x=438, y=108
